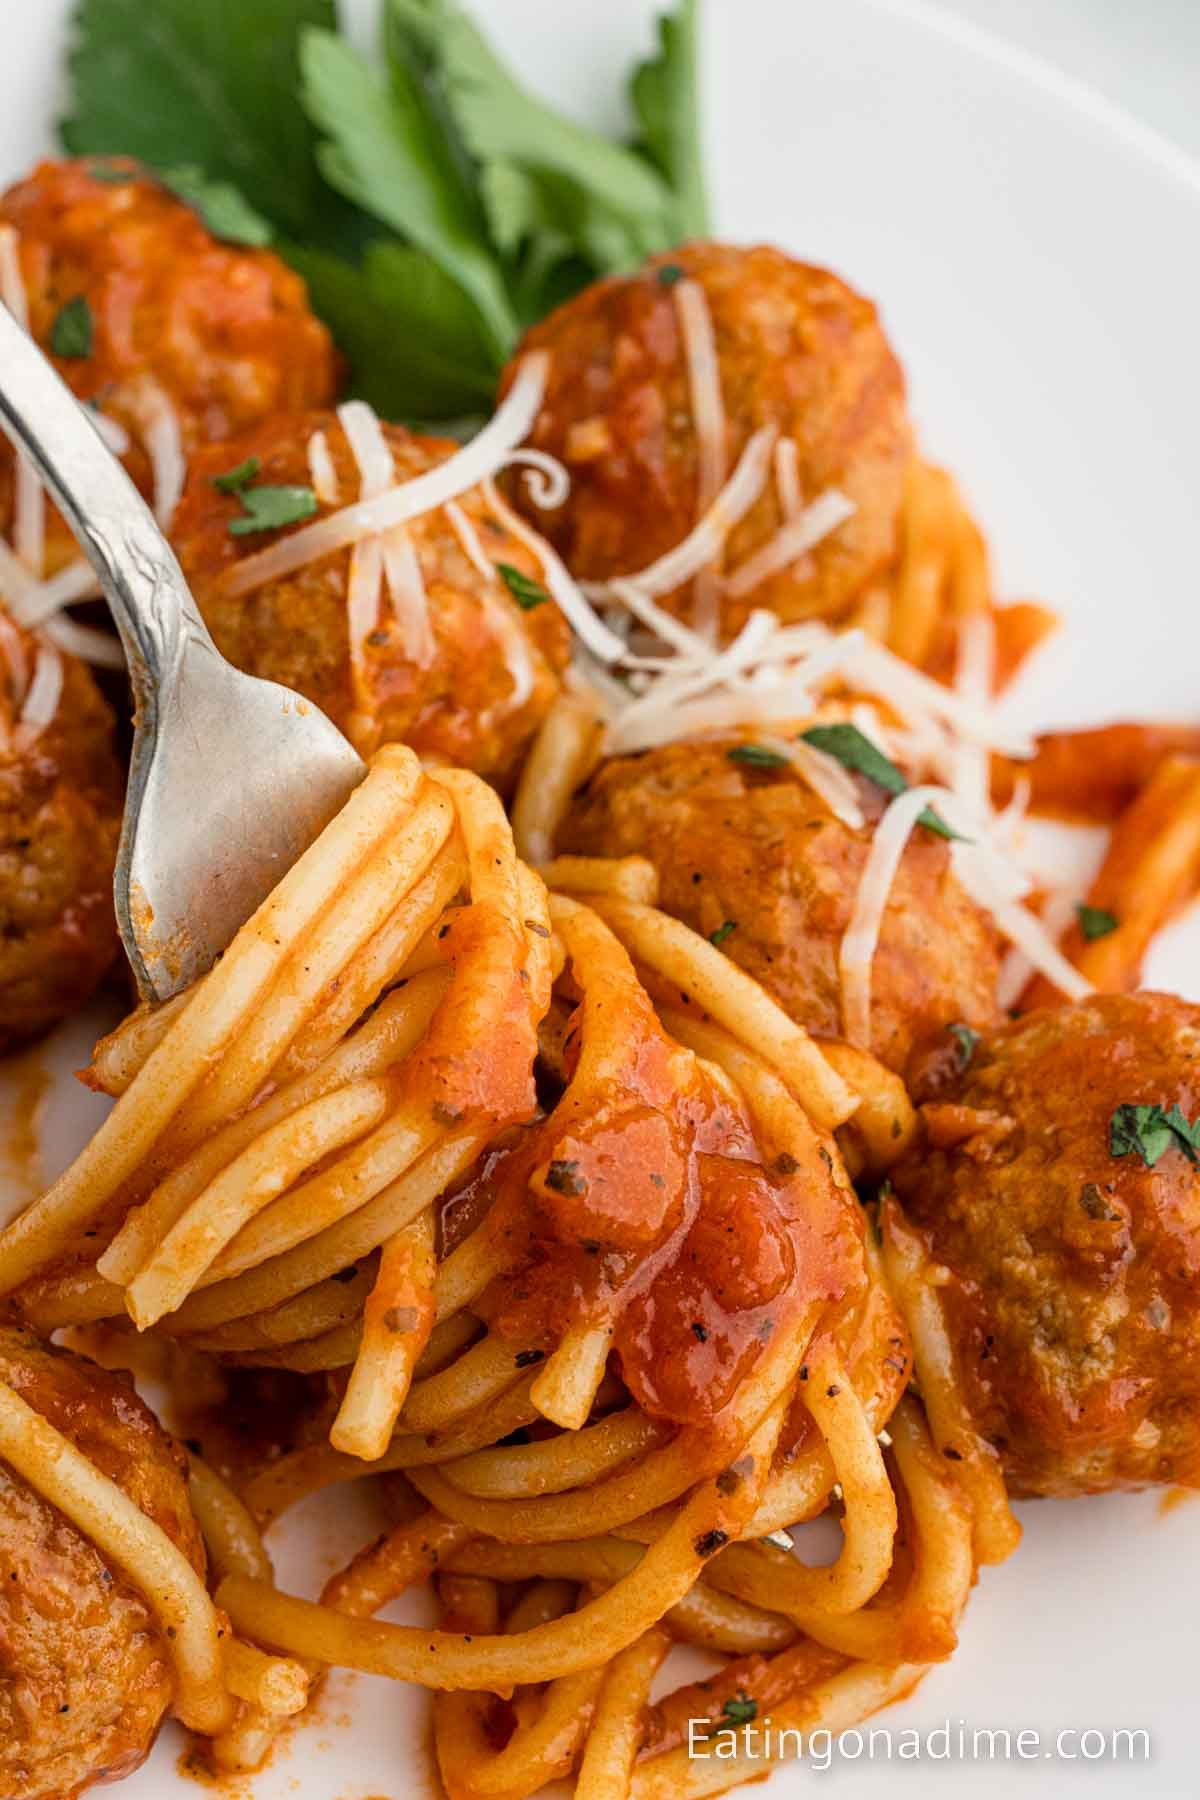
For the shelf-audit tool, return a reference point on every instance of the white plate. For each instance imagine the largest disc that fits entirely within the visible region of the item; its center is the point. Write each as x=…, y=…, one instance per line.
x=1035, y=256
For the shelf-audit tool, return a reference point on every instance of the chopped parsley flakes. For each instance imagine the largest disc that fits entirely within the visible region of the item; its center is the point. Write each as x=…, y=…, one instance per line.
x=855, y=751
x=1095, y=921
x=73, y=331
x=718, y=936
x=757, y=756
x=268, y=508
x=525, y=591
x=1148, y=1131
x=234, y=480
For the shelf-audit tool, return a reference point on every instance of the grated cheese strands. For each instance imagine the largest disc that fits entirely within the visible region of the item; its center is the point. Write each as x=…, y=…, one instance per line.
x=400, y=565
x=857, y=951
x=973, y=678
x=363, y=591
x=664, y=625
x=159, y=424
x=13, y=651
x=787, y=478
x=809, y=528
x=87, y=642
x=1022, y=928
x=597, y=637
x=410, y=603
x=546, y=480
x=916, y=697
x=77, y=581
x=29, y=500
x=468, y=538
x=44, y=691
x=708, y=422
x=707, y=673
x=513, y=645
x=408, y=499
x=321, y=471
x=19, y=588
x=827, y=778
x=113, y=433
x=703, y=543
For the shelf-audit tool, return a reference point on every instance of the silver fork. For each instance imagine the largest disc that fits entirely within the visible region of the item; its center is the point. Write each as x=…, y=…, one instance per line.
x=231, y=777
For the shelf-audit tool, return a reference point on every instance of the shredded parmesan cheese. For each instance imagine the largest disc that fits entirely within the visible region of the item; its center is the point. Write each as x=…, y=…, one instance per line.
x=857, y=952
x=159, y=426
x=321, y=471
x=468, y=538
x=44, y=691
x=792, y=540
x=704, y=541
x=13, y=650
x=708, y=420
x=111, y=431
x=787, y=478
x=592, y=632
x=973, y=679
x=409, y=499
x=29, y=503
x=399, y=564
x=546, y=481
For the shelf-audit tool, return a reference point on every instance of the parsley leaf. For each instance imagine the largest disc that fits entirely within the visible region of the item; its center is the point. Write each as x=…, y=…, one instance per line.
x=413, y=338
x=73, y=331
x=221, y=207
x=966, y=1041
x=667, y=274
x=498, y=119
x=857, y=753
x=235, y=479
x=757, y=756
x=663, y=92
x=209, y=84
x=739, y=1709
x=267, y=508
x=525, y=591
x=1148, y=1131
x=718, y=936
x=382, y=150
x=1095, y=921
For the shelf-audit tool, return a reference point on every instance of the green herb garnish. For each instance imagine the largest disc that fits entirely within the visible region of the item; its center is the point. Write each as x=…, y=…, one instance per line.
x=525, y=591
x=226, y=212
x=757, y=756
x=966, y=1041
x=234, y=480
x=722, y=932
x=857, y=753
x=668, y=274
x=268, y=508
x=740, y=1710
x=73, y=332
x=1148, y=1131
x=433, y=203
x=1095, y=921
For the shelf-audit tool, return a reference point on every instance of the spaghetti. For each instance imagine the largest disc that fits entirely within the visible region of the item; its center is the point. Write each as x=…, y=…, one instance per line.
x=330, y=1155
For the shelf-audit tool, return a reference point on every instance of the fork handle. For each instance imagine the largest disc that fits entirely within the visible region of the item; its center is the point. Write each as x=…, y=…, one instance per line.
x=137, y=569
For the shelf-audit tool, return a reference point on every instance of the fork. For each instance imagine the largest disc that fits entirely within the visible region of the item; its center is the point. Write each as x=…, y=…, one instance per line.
x=231, y=777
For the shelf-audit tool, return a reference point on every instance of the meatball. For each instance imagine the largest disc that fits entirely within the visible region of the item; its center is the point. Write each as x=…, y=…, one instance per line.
x=796, y=348
x=61, y=790
x=135, y=300
x=493, y=673
x=753, y=858
x=1073, y=1285
x=84, y=1674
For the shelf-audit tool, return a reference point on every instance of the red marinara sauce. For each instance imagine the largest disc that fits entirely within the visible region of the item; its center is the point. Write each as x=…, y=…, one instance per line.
x=649, y=1204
